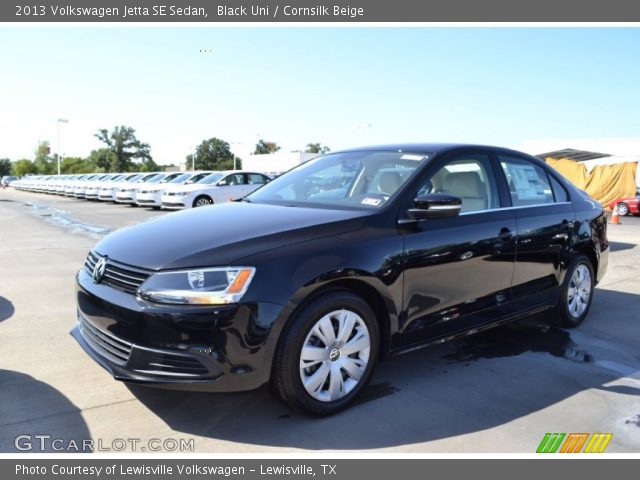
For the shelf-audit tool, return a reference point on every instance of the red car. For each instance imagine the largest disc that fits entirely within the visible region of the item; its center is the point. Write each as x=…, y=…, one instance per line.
x=627, y=205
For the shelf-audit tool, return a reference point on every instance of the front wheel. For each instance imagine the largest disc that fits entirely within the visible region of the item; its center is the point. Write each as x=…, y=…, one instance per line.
x=326, y=354
x=577, y=292
x=202, y=201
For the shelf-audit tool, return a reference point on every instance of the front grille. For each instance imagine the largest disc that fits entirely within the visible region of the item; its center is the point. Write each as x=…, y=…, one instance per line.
x=104, y=343
x=117, y=275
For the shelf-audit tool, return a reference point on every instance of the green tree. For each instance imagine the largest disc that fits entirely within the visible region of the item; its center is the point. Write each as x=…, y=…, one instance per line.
x=77, y=165
x=211, y=154
x=102, y=158
x=125, y=146
x=5, y=167
x=45, y=164
x=148, y=165
x=317, y=148
x=24, y=167
x=265, y=147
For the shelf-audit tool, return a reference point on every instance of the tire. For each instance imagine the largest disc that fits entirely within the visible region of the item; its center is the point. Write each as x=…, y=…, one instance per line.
x=623, y=209
x=202, y=201
x=577, y=292
x=332, y=310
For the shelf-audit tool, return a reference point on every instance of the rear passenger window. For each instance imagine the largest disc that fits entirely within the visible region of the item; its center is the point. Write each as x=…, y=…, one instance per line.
x=558, y=190
x=256, y=179
x=528, y=183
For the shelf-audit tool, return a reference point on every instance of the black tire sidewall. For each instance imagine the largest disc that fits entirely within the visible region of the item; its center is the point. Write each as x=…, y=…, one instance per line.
x=566, y=318
x=287, y=375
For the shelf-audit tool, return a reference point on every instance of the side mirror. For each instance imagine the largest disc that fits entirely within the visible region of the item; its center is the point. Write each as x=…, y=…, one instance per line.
x=435, y=205
x=222, y=183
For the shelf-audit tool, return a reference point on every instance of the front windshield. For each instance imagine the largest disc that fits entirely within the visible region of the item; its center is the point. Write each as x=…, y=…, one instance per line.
x=197, y=177
x=171, y=177
x=211, y=178
x=181, y=178
x=155, y=178
x=360, y=179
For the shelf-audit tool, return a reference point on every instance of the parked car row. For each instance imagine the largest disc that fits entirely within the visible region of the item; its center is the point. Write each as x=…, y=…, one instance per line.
x=167, y=190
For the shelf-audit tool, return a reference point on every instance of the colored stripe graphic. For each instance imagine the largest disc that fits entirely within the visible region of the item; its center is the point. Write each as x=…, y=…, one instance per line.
x=598, y=442
x=574, y=442
x=550, y=442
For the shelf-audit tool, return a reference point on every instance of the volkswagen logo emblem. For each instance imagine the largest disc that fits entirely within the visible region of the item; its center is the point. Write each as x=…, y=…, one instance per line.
x=334, y=355
x=98, y=269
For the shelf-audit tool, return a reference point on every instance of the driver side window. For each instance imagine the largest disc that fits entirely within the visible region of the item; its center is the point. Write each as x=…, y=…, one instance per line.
x=469, y=177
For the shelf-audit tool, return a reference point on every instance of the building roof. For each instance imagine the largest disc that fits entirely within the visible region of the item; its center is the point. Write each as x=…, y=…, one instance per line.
x=573, y=154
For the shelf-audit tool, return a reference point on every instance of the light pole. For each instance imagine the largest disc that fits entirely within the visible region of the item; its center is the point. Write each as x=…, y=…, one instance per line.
x=60, y=120
x=233, y=154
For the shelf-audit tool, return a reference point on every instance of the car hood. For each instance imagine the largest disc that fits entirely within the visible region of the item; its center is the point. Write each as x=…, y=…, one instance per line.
x=221, y=234
x=187, y=188
x=155, y=187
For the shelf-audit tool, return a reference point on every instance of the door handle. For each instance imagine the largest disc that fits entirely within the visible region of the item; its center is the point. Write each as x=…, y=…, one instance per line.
x=505, y=234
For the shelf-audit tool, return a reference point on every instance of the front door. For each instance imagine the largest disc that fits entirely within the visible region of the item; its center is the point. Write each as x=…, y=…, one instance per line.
x=458, y=270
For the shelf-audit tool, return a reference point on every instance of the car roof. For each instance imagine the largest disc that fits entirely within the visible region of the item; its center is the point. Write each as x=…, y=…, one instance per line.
x=429, y=147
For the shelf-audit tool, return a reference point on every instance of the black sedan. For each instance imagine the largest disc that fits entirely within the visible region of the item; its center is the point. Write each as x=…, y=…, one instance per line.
x=343, y=261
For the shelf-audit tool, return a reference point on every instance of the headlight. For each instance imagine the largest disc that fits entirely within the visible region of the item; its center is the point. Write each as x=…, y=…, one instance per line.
x=180, y=194
x=205, y=286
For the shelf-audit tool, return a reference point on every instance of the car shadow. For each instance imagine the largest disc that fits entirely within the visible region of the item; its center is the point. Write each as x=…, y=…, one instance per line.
x=6, y=309
x=472, y=384
x=38, y=409
x=619, y=246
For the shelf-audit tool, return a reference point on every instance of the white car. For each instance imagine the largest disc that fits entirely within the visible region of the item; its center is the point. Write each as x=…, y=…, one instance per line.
x=151, y=196
x=217, y=187
x=81, y=189
x=108, y=190
x=92, y=191
x=127, y=192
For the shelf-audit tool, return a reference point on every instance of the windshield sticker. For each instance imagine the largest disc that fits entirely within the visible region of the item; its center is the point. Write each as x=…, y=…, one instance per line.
x=412, y=157
x=374, y=202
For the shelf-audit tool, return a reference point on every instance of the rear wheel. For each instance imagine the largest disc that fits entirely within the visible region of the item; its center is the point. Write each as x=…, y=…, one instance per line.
x=326, y=354
x=577, y=292
x=623, y=209
x=202, y=201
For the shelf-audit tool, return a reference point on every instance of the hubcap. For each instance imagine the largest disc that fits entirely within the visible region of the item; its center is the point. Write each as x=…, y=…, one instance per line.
x=622, y=209
x=202, y=202
x=334, y=355
x=579, y=291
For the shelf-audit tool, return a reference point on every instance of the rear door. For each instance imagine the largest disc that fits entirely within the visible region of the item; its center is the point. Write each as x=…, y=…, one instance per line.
x=544, y=220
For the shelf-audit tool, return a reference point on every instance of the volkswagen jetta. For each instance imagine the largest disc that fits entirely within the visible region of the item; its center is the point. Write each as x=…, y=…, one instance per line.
x=348, y=259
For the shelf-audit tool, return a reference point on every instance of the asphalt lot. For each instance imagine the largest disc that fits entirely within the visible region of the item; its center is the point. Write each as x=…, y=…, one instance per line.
x=499, y=391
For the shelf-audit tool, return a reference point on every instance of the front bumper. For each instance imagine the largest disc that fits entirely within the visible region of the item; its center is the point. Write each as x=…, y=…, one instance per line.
x=106, y=196
x=124, y=198
x=212, y=348
x=148, y=200
x=173, y=203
